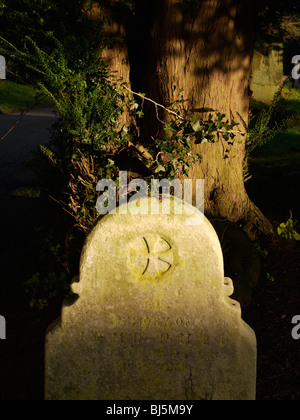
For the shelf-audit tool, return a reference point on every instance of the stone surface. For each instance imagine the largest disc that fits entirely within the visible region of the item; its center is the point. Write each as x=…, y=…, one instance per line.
x=153, y=320
x=267, y=70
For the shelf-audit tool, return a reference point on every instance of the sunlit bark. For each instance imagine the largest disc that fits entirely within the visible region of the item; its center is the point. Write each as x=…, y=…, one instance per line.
x=207, y=52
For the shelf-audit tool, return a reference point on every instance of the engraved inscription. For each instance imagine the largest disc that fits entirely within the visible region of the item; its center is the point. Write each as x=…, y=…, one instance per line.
x=151, y=256
x=180, y=338
x=113, y=321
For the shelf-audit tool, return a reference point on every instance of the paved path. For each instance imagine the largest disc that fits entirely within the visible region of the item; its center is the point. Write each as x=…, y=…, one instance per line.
x=16, y=149
x=21, y=354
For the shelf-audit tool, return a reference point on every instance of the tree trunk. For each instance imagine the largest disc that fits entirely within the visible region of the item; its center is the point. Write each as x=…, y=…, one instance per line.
x=204, y=47
x=207, y=50
x=115, y=57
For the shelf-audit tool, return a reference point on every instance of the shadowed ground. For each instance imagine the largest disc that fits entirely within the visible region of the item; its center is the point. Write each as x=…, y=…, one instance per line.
x=275, y=301
x=22, y=352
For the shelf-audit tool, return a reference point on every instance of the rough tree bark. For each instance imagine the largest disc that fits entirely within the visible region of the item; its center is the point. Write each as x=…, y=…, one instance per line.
x=207, y=50
x=115, y=56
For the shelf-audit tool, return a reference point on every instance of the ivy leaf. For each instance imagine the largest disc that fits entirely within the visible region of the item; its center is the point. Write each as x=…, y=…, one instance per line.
x=197, y=126
x=169, y=128
x=188, y=142
x=226, y=136
x=135, y=105
x=160, y=168
x=110, y=163
x=174, y=163
x=296, y=236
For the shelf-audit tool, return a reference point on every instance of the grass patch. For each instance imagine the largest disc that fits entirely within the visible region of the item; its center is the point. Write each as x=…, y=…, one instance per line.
x=275, y=167
x=287, y=142
x=292, y=99
x=284, y=143
x=15, y=97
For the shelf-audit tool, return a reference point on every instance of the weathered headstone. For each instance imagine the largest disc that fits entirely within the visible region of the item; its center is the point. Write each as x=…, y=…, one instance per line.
x=153, y=320
x=267, y=69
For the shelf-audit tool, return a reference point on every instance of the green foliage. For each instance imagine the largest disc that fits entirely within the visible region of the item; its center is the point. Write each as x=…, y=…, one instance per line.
x=263, y=252
x=270, y=277
x=59, y=248
x=89, y=142
x=28, y=193
x=267, y=123
x=289, y=229
x=88, y=132
x=292, y=99
x=44, y=289
x=60, y=54
x=276, y=18
x=175, y=150
x=44, y=20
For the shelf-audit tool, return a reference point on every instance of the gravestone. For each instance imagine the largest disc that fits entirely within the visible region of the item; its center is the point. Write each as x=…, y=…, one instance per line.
x=267, y=69
x=153, y=319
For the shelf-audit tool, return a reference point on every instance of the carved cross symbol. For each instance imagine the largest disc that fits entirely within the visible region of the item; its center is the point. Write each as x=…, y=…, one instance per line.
x=152, y=255
x=158, y=259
